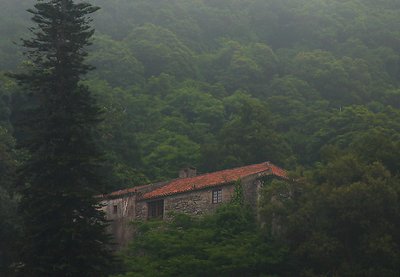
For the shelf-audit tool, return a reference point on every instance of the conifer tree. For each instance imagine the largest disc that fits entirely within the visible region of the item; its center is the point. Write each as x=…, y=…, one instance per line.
x=65, y=229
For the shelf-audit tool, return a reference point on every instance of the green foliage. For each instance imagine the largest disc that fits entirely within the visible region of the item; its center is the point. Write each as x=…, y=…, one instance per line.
x=238, y=66
x=10, y=225
x=8, y=159
x=160, y=51
x=237, y=197
x=248, y=136
x=64, y=229
x=343, y=222
x=169, y=152
x=308, y=64
x=115, y=63
x=343, y=81
x=10, y=231
x=224, y=244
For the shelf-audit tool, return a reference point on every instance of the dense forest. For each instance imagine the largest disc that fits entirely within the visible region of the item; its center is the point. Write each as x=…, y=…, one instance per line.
x=310, y=85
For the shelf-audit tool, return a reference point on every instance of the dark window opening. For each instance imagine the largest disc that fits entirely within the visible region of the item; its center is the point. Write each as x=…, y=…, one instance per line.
x=156, y=209
x=115, y=209
x=217, y=196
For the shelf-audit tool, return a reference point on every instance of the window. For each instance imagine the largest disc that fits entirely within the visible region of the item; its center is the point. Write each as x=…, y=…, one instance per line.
x=115, y=209
x=156, y=209
x=217, y=196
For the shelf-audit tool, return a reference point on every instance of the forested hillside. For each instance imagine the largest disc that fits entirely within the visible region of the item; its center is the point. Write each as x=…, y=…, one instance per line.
x=216, y=84
x=310, y=85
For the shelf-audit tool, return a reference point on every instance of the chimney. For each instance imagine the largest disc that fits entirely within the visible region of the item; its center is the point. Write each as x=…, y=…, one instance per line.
x=187, y=172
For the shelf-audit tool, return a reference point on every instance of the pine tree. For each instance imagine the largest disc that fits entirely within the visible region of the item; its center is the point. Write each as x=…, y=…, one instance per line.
x=65, y=229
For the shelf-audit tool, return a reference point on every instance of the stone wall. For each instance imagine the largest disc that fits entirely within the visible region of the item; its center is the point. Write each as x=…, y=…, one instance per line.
x=120, y=212
x=141, y=210
x=193, y=203
x=131, y=207
x=251, y=191
x=199, y=202
x=196, y=202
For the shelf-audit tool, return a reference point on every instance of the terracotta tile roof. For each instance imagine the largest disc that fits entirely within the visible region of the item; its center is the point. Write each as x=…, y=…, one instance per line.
x=277, y=171
x=214, y=179
x=122, y=192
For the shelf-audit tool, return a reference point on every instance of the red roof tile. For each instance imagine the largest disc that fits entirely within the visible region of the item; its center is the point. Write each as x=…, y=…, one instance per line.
x=277, y=171
x=214, y=179
x=122, y=192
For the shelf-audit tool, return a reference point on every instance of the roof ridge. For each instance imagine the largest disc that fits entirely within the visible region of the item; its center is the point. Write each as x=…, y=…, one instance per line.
x=222, y=174
x=219, y=171
x=211, y=179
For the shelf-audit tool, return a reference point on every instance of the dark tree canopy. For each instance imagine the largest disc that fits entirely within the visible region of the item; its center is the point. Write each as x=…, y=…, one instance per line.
x=65, y=229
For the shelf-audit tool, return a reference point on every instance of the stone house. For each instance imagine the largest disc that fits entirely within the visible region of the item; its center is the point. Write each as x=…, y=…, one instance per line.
x=190, y=193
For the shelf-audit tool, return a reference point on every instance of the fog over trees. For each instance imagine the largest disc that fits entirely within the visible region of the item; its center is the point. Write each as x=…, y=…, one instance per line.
x=310, y=85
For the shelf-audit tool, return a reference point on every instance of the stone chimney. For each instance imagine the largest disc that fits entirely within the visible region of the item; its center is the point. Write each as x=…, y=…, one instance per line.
x=187, y=172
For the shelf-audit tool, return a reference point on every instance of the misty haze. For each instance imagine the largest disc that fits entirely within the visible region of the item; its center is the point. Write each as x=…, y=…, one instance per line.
x=200, y=138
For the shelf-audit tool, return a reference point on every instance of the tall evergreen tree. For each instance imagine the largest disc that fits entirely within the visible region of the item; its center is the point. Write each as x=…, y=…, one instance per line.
x=65, y=229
